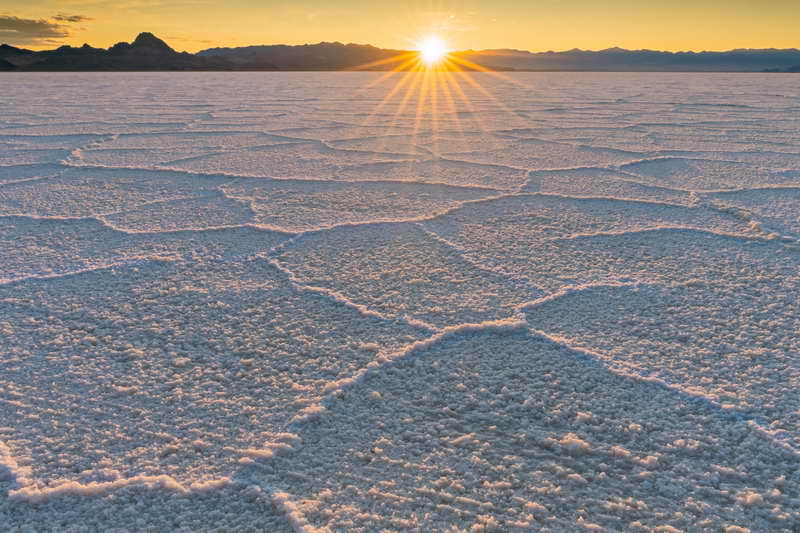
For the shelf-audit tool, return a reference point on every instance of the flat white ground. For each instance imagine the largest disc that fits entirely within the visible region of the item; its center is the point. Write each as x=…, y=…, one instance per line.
x=301, y=302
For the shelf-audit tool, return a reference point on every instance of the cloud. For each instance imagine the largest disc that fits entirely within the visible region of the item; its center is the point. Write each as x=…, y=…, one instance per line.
x=15, y=30
x=71, y=18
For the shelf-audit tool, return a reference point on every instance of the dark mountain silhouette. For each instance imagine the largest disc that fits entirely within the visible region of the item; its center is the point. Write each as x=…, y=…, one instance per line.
x=19, y=57
x=322, y=56
x=148, y=52
x=618, y=59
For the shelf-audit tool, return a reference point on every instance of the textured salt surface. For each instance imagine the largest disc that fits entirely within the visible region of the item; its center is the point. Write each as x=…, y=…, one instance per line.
x=288, y=303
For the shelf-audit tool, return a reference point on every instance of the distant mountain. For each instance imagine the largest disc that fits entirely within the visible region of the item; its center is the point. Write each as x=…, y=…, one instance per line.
x=618, y=59
x=148, y=52
x=17, y=57
x=322, y=56
x=337, y=56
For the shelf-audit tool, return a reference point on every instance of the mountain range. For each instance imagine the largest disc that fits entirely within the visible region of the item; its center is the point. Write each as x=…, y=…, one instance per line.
x=148, y=52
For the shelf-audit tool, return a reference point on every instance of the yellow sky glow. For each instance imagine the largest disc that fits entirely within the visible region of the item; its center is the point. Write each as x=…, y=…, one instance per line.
x=535, y=25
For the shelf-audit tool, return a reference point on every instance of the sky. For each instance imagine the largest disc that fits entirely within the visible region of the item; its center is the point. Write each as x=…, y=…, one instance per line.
x=535, y=25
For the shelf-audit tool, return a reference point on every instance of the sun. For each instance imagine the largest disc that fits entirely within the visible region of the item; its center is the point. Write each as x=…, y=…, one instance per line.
x=432, y=50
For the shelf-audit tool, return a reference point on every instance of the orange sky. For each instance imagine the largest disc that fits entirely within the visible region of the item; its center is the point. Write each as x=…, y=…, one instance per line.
x=531, y=25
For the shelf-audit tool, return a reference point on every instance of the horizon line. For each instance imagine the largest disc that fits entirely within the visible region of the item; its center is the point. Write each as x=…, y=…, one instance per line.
x=500, y=49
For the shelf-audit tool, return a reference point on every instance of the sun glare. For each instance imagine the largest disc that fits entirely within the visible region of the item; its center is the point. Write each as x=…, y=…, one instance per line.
x=434, y=86
x=432, y=50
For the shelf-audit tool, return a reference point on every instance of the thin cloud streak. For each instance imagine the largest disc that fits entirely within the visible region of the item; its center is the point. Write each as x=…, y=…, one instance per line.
x=61, y=17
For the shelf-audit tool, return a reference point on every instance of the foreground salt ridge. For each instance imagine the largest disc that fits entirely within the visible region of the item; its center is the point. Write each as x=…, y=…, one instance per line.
x=570, y=443
x=388, y=360
x=520, y=323
x=761, y=411
x=514, y=282
x=133, y=354
x=337, y=388
x=37, y=495
x=515, y=326
x=138, y=507
x=300, y=523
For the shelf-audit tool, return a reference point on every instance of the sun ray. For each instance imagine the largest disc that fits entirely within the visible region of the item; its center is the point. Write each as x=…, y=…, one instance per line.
x=403, y=67
x=394, y=59
x=474, y=115
x=480, y=68
x=407, y=76
x=433, y=77
x=412, y=88
x=451, y=104
x=480, y=88
x=418, y=119
x=435, y=111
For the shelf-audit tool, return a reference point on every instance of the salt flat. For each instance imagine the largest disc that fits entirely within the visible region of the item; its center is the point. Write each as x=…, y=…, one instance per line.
x=307, y=302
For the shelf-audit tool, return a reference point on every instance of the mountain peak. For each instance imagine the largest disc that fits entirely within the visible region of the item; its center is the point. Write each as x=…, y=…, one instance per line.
x=146, y=39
